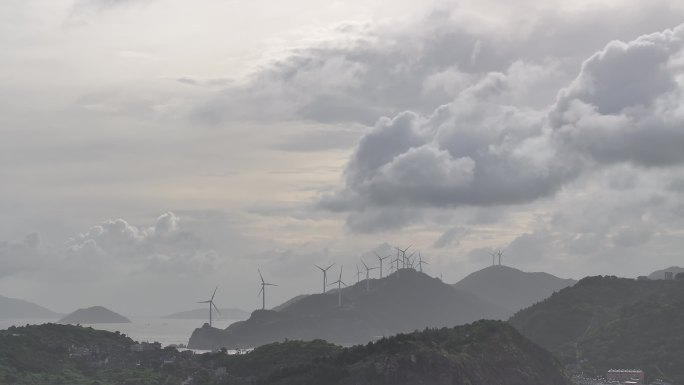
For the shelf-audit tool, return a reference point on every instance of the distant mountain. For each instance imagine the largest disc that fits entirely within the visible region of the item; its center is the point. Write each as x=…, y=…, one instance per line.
x=510, y=288
x=402, y=302
x=94, y=315
x=660, y=274
x=227, y=313
x=482, y=353
x=609, y=322
x=19, y=308
x=290, y=302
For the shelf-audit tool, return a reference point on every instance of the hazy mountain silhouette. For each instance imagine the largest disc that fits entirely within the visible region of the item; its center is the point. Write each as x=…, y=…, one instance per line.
x=660, y=274
x=402, y=302
x=227, y=313
x=510, y=288
x=19, y=308
x=604, y=322
x=94, y=315
x=290, y=302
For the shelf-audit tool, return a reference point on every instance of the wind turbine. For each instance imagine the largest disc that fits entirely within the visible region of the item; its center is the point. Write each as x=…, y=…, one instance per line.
x=403, y=255
x=368, y=269
x=339, y=288
x=409, y=261
x=211, y=304
x=380, y=259
x=358, y=274
x=421, y=262
x=496, y=253
x=262, y=292
x=325, y=273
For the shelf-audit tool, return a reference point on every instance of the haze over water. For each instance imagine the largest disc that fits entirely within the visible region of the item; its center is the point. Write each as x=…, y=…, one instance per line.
x=162, y=330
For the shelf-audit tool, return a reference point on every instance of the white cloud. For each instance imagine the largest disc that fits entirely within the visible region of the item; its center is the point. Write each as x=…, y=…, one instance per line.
x=482, y=150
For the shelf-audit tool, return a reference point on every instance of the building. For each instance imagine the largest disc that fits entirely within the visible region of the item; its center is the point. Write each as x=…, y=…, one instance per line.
x=669, y=275
x=626, y=376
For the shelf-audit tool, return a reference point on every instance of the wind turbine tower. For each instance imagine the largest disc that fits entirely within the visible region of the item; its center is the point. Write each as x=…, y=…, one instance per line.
x=403, y=255
x=410, y=261
x=339, y=288
x=358, y=274
x=262, y=292
x=380, y=259
x=368, y=269
x=496, y=254
x=211, y=304
x=325, y=274
x=421, y=262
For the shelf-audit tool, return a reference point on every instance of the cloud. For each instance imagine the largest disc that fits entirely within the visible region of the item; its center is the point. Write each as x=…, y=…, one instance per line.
x=356, y=72
x=481, y=150
x=20, y=256
x=164, y=246
x=625, y=105
x=450, y=237
x=473, y=151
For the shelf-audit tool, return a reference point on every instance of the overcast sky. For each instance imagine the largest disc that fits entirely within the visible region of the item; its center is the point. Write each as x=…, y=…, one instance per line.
x=152, y=149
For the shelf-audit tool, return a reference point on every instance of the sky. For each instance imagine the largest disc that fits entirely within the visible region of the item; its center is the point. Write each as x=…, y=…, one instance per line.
x=151, y=150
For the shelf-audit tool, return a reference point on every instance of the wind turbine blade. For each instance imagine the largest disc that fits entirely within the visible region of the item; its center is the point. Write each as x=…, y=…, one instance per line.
x=212, y=296
x=345, y=285
x=364, y=264
x=203, y=302
x=215, y=308
x=331, y=265
x=320, y=268
x=260, y=291
x=270, y=284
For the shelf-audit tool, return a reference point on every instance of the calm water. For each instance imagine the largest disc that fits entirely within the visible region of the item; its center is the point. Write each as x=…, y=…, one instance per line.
x=165, y=331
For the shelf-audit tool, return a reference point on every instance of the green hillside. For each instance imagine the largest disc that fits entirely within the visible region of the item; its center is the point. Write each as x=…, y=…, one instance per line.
x=609, y=322
x=482, y=353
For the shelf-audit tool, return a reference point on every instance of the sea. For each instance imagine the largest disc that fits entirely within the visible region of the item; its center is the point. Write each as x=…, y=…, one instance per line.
x=163, y=330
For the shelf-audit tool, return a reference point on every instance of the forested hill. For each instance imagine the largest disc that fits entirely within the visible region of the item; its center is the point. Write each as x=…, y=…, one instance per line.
x=608, y=322
x=482, y=353
x=404, y=301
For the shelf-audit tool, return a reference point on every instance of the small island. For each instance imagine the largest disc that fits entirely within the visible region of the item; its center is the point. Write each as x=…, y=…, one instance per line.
x=94, y=315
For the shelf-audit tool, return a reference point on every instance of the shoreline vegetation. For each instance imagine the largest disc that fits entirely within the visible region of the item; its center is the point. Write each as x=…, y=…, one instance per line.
x=481, y=353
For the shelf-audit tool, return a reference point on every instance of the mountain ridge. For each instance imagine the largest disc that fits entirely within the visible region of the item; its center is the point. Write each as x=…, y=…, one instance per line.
x=511, y=288
x=226, y=313
x=20, y=308
x=605, y=322
x=93, y=315
x=364, y=315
